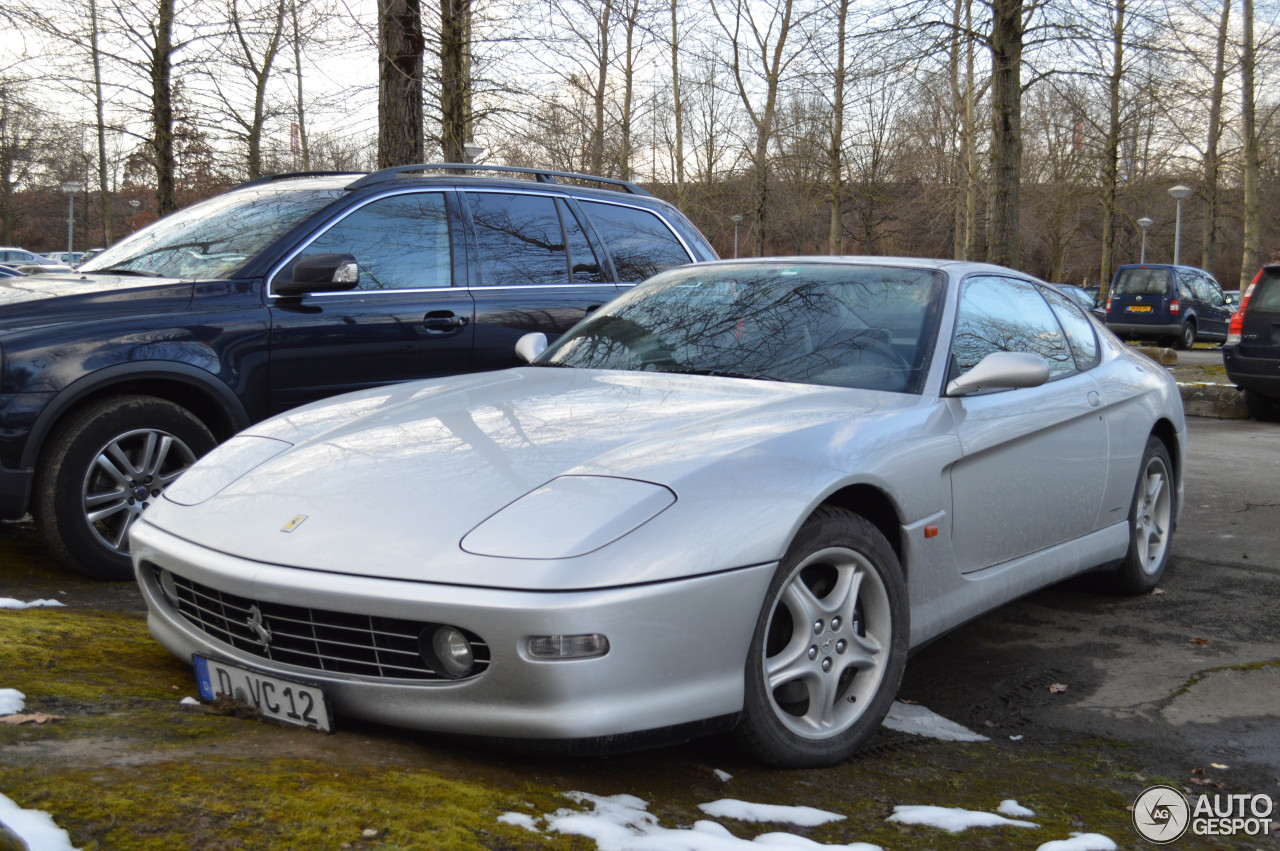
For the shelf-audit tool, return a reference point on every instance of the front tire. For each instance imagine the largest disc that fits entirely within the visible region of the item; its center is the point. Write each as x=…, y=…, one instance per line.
x=1150, y=523
x=829, y=647
x=102, y=468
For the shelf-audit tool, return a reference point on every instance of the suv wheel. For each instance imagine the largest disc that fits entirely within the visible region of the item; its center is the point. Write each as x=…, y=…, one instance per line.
x=1263, y=408
x=1187, y=338
x=102, y=468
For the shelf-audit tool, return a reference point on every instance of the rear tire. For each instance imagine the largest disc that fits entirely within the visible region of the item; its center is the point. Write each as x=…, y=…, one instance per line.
x=1151, y=516
x=829, y=647
x=1262, y=408
x=1187, y=337
x=101, y=469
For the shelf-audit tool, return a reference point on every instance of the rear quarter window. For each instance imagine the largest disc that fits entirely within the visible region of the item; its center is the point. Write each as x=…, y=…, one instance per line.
x=639, y=242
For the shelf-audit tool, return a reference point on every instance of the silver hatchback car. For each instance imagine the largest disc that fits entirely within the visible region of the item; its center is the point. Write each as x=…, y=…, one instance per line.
x=735, y=496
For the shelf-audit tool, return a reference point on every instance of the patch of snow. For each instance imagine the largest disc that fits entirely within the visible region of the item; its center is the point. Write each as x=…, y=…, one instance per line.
x=34, y=827
x=920, y=721
x=11, y=701
x=1015, y=738
x=723, y=776
x=623, y=823
x=520, y=820
x=743, y=811
x=1080, y=842
x=1010, y=807
x=188, y=701
x=11, y=603
x=952, y=819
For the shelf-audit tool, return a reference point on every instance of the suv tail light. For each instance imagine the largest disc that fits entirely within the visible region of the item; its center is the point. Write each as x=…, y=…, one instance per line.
x=1173, y=306
x=1108, y=304
x=1236, y=328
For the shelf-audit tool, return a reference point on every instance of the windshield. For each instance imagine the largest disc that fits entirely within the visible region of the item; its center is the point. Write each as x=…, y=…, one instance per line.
x=1141, y=281
x=212, y=239
x=867, y=327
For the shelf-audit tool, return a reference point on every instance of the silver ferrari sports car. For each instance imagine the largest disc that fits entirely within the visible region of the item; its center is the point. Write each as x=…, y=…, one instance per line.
x=736, y=496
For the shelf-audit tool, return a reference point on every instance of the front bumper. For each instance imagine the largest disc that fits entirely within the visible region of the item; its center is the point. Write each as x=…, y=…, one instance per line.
x=677, y=649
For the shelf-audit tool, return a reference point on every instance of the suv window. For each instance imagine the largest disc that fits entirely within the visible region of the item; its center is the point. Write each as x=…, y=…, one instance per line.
x=583, y=263
x=519, y=239
x=1007, y=315
x=1141, y=282
x=1266, y=295
x=640, y=244
x=400, y=242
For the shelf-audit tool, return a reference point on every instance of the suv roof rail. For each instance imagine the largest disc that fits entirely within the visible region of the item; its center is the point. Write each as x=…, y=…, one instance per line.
x=271, y=178
x=539, y=174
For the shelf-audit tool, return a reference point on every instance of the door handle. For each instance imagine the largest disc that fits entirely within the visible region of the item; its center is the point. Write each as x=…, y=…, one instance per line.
x=443, y=321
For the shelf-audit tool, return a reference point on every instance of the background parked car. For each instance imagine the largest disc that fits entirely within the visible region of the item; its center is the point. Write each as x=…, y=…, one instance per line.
x=17, y=256
x=1083, y=298
x=66, y=258
x=282, y=291
x=1252, y=352
x=1176, y=305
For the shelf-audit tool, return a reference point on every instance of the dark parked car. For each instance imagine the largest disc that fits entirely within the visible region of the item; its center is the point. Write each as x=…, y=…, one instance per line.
x=1082, y=297
x=282, y=291
x=1172, y=304
x=1252, y=352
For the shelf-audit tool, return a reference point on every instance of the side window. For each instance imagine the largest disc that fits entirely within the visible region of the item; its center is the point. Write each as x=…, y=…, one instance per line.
x=401, y=242
x=1080, y=334
x=1007, y=315
x=518, y=238
x=639, y=243
x=584, y=266
x=1212, y=292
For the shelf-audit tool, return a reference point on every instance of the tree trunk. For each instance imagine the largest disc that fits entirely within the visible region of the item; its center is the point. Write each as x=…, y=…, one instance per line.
x=957, y=165
x=677, y=106
x=1212, y=162
x=835, y=164
x=104, y=190
x=1006, y=132
x=454, y=84
x=1111, y=154
x=971, y=149
x=400, y=48
x=303, y=149
x=1249, y=261
x=596, y=150
x=628, y=90
x=162, y=109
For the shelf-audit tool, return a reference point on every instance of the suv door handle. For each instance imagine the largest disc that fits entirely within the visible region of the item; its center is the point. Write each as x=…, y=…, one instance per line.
x=443, y=321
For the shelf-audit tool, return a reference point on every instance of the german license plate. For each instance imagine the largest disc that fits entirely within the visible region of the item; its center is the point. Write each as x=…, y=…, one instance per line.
x=276, y=698
x=1139, y=308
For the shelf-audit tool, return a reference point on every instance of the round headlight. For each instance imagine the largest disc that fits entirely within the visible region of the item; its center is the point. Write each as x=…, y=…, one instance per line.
x=449, y=653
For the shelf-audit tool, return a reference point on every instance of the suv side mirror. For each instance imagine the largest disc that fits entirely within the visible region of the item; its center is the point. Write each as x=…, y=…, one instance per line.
x=320, y=273
x=1001, y=371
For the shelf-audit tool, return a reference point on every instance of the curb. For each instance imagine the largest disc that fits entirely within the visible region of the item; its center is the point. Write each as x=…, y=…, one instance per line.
x=1222, y=401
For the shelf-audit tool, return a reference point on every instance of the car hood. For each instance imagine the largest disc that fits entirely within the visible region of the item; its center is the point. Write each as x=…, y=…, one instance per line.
x=388, y=483
x=23, y=301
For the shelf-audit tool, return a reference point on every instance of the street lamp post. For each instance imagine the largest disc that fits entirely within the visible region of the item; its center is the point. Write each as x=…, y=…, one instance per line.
x=1178, y=192
x=133, y=217
x=736, y=221
x=1144, y=223
x=71, y=188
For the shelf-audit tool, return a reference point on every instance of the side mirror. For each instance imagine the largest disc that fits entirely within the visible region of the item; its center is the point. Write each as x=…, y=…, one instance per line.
x=320, y=273
x=1001, y=371
x=530, y=346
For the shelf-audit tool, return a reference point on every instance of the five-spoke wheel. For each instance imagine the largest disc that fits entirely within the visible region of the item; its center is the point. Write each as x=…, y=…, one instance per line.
x=830, y=644
x=1151, y=518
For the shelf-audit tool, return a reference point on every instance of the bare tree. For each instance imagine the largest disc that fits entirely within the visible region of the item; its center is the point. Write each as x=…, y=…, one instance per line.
x=400, y=48
x=1252, y=236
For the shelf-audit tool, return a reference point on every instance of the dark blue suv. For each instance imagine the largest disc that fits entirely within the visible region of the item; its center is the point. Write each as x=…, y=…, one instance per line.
x=1176, y=305
x=282, y=291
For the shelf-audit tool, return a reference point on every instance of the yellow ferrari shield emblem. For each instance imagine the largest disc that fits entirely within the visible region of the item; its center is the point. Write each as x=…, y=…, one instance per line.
x=294, y=523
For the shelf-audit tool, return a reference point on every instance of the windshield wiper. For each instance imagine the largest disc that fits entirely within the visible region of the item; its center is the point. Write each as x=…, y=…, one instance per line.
x=719, y=373
x=120, y=270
